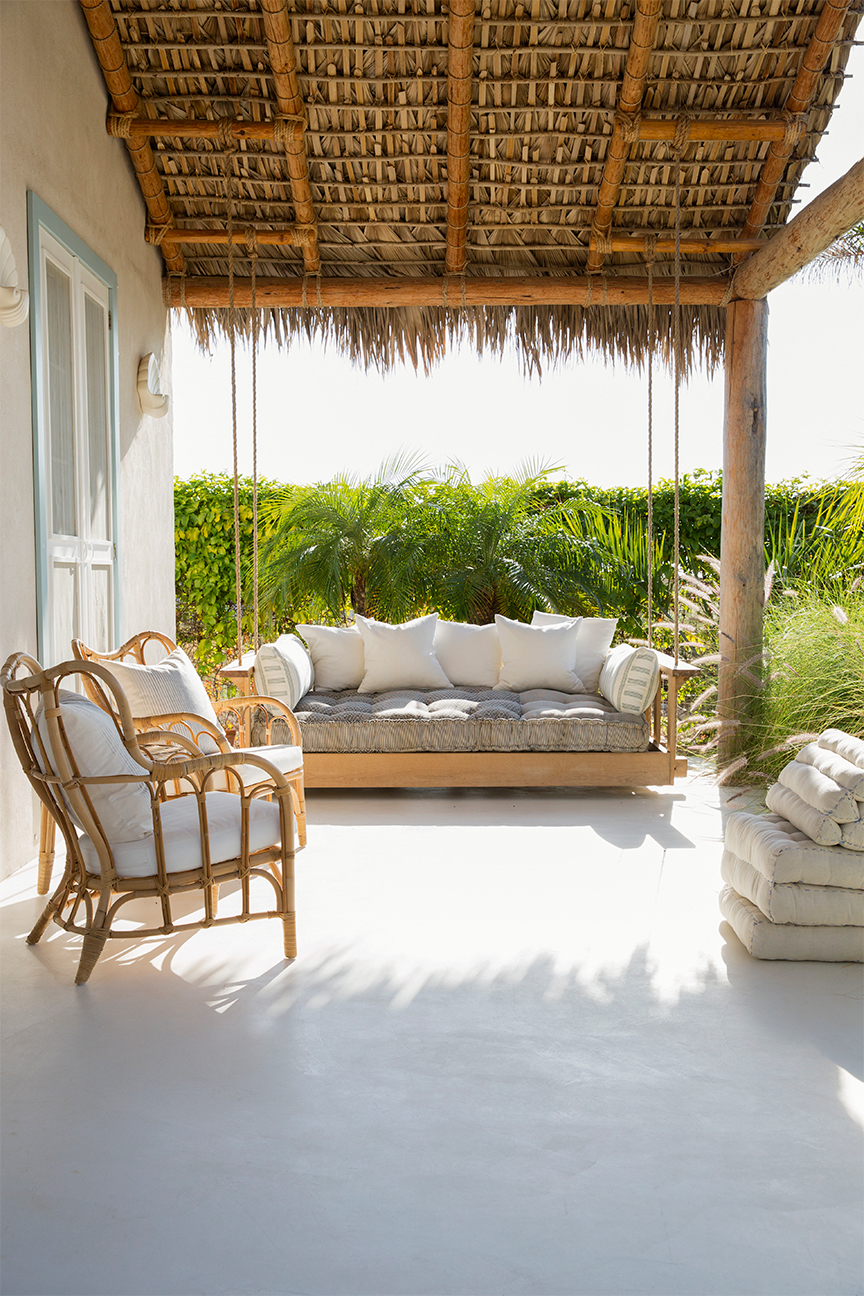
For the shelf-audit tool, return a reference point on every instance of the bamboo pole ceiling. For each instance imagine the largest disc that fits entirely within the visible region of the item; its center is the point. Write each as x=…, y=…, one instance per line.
x=455, y=146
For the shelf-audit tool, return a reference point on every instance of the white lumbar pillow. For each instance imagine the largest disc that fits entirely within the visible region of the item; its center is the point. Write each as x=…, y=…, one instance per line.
x=400, y=656
x=337, y=655
x=170, y=686
x=537, y=657
x=123, y=809
x=592, y=643
x=470, y=655
x=629, y=678
x=284, y=670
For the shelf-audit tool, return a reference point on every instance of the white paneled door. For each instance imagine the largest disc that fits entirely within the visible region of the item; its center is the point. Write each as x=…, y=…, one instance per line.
x=76, y=468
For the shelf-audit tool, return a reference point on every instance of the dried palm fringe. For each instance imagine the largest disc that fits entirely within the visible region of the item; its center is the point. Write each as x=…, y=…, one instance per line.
x=542, y=336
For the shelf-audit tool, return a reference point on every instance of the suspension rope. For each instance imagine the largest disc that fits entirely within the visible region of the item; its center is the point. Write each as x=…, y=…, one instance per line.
x=650, y=252
x=252, y=247
x=229, y=145
x=680, y=142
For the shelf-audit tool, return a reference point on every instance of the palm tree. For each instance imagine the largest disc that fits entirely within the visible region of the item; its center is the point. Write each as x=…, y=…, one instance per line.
x=499, y=548
x=343, y=544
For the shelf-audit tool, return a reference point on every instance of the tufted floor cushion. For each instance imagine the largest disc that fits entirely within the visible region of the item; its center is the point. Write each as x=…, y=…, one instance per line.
x=464, y=719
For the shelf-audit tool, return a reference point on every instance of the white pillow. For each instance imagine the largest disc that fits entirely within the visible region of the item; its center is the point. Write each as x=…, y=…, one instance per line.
x=629, y=678
x=337, y=655
x=123, y=809
x=852, y=749
x=537, y=657
x=470, y=655
x=170, y=686
x=400, y=656
x=819, y=827
x=836, y=767
x=283, y=670
x=592, y=644
x=819, y=791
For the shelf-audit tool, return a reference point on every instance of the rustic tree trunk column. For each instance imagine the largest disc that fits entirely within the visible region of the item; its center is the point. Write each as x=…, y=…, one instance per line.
x=742, y=544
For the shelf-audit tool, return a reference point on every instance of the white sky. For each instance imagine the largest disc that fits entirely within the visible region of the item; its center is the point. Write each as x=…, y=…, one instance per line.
x=318, y=415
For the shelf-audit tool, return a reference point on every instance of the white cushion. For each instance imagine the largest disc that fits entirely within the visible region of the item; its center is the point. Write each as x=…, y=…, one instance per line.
x=123, y=809
x=629, y=678
x=400, y=656
x=838, y=768
x=171, y=686
x=783, y=853
x=818, y=826
x=286, y=758
x=843, y=744
x=794, y=902
x=337, y=655
x=181, y=836
x=852, y=837
x=284, y=670
x=819, y=791
x=537, y=657
x=766, y=940
x=470, y=655
x=592, y=643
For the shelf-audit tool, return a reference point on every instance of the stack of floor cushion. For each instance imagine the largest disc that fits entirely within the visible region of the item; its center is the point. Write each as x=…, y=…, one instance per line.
x=795, y=877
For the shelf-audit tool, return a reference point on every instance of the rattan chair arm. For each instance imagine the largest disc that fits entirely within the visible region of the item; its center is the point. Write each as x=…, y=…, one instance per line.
x=285, y=713
x=190, y=719
x=163, y=771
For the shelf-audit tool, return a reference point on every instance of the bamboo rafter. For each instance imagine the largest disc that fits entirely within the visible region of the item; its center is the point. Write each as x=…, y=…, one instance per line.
x=460, y=51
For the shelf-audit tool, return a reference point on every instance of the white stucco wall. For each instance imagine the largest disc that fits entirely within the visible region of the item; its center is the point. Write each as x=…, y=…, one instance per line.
x=52, y=140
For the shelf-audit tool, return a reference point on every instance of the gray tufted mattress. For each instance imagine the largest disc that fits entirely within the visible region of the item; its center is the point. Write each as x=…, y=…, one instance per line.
x=463, y=720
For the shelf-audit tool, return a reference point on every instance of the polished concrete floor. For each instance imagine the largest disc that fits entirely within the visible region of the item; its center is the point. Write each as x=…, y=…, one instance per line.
x=519, y=1053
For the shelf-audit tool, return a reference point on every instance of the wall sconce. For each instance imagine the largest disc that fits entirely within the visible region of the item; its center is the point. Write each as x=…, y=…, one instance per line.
x=150, y=398
x=14, y=301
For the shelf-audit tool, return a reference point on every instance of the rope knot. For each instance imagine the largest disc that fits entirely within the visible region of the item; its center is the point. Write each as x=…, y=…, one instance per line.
x=288, y=128
x=682, y=135
x=601, y=239
x=157, y=233
x=251, y=243
x=629, y=126
x=796, y=126
x=225, y=137
x=120, y=124
x=650, y=252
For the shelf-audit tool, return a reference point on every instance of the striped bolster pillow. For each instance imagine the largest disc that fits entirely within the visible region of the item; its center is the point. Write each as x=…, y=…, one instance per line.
x=283, y=670
x=629, y=678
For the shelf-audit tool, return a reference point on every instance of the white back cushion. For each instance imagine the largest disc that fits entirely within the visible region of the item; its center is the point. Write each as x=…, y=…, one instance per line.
x=123, y=809
x=537, y=657
x=838, y=768
x=852, y=749
x=592, y=643
x=284, y=670
x=820, y=792
x=470, y=655
x=400, y=656
x=170, y=686
x=629, y=678
x=337, y=655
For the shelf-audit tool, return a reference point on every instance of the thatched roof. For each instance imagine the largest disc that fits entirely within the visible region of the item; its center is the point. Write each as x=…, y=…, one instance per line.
x=368, y=181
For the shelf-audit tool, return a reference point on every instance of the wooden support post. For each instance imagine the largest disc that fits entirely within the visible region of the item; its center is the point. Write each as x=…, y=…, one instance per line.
x=624, y=132
x=511, y=290
x=812, y=231
x=816, y=55
x=276, y=19
x=124, y=98
x=742, y=542
x=460, y=59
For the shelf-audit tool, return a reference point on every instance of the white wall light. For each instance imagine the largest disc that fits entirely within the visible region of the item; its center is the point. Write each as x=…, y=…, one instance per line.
x=14, y=301
x=150, y=398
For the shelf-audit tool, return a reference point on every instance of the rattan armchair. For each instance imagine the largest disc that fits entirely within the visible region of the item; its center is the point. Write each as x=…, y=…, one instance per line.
x=148, y=648
x=138, y=814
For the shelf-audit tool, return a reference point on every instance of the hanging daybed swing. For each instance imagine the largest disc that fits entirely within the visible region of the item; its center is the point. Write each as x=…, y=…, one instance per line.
x=659, y=764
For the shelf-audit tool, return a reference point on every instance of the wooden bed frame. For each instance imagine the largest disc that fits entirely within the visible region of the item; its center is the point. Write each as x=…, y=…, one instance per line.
x=660, y=765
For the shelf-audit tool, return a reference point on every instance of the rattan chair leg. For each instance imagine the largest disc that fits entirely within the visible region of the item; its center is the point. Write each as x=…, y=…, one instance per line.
x=94, y=943
x=214, y=898
x=54, y=905
x=298, y=797
x=289, y=931
x=47, y=833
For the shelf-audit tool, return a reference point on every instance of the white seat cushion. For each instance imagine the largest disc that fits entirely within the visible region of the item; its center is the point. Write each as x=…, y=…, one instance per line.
x=794, y=902
x=537, y=657
x=470, y=655
x=783, y=853
x=337, y=655
x=766, y=940
x=820, y=791
x=851, y=749
x=400, y=656
x=836, y=767
x=169, y=687
x=123, y=809
x=286, y=759
x=284, y=670
x=181, y=835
